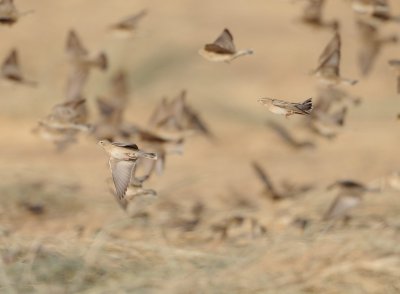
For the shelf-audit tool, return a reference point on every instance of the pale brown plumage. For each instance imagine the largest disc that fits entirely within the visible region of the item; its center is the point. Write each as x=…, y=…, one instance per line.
x=128, y=26
x=123, y=159
x=312, y=15
x=287, y=108
x=374, y=9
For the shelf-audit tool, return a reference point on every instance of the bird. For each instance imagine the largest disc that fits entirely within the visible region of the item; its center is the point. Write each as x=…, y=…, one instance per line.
x=287, y=108
x=223, y=49
x=349, y=197
x=9, y=14
x=371, y=45
x=288, y=137
x=11, y=71
x=288, y=191
x=128, y=26
x=395, y=64
x=123, y=158
x=375, y=9
x=312, y=16
x=328, y=70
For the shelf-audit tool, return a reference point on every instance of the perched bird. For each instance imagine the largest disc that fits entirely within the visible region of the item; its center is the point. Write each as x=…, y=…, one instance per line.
x=395, y=64
x=287, y=108
x=10, y=70
x=312, y=16
x=371, y=45
x=123, y=158
x=288, y=137
x=9, y=14
x=349, y=196
x=375, y=9
x=223, y=49
x=328, y=70
x=128, y=26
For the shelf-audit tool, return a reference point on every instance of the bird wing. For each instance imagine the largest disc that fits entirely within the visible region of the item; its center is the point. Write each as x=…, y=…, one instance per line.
x=264, y=177
x=74, y=45
x=131, y=21
x=121, y=171
x=10, y=67
x=76, y=82
x=126, y=145
x=284, y=133
x=223, y=44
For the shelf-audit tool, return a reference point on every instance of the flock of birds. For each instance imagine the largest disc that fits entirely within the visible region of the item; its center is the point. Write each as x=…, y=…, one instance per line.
x=174, y=120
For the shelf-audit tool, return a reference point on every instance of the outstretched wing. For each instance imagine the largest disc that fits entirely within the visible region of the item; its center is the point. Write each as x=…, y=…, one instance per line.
x=121, y=171
x=223, y=44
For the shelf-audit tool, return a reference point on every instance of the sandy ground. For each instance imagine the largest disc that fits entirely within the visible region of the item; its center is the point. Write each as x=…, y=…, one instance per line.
x=84, y=243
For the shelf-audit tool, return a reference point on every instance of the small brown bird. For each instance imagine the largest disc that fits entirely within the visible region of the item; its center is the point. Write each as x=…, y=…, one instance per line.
x=327, y=124
x=78, y=54
x=328, y=70
x=288, y=137
x=123, y=158
x=10, y=70
x=288, y=190
x=375, y=9
x=9, y=14
x=128, y=26
x=312, y=16
x=223, y=49
x=371, y=45
x=349, y=196
x=287, y=108
x=395, y=64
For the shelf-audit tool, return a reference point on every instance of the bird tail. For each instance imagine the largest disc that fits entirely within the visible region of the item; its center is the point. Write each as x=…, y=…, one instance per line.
x=243, y=52
x=306, y=106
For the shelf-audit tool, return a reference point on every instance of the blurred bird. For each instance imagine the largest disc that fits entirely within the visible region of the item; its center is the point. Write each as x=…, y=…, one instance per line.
x=128, y=26
x=376, y=9
x=312, y=16
x=349, y=196
x=123, y=158
x=289, y=190
x=161, y=145
x=287, y=108
x=325, y=123
x=10, y=70
x=177, y=117
x=81, y=63
x=79, y=55
x=328, y=70
x=288, y=137
x=9, y=14
x=329, y=95
x=395, y=64
x=371, y=44
x=223, y=49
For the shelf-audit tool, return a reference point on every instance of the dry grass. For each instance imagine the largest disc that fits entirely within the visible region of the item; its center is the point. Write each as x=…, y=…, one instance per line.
x=82, y=242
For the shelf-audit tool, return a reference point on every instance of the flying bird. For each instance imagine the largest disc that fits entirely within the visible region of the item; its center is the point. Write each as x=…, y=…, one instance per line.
x=9, y=14
x=287, y=108
x=223, y=49
x=349, y=197
x=11, y=70
x=374, y=9
x=128, y=26
x=371, y=45
x=123, y=158
x=288, y=137
x=312, y=15
x=395, y=64
x=328, y=70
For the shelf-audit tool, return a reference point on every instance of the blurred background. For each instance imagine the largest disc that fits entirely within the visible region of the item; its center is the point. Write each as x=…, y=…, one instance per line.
x=82, y=242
